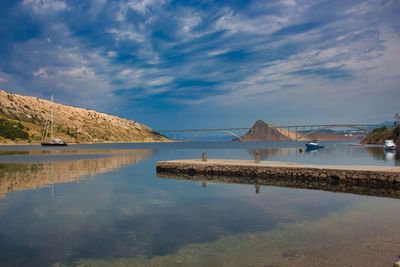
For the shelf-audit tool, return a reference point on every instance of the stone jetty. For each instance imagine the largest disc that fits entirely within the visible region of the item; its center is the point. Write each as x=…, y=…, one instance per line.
x=365, y=180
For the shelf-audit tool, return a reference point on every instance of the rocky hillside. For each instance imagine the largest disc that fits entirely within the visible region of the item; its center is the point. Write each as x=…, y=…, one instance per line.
x=22, y=120
x=261, y=131
x=379, y=135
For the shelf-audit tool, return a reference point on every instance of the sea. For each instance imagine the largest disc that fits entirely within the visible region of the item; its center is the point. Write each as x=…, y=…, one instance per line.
x=105, y=205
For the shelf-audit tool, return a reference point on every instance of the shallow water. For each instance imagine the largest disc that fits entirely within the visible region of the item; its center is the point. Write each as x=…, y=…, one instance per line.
x=104, y=205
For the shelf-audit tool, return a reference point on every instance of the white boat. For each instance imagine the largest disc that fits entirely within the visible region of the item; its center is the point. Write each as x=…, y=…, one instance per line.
x=389, y=145
x=47, y=137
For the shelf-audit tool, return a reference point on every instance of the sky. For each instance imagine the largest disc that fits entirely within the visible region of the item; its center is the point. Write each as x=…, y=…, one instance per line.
x=203, y=64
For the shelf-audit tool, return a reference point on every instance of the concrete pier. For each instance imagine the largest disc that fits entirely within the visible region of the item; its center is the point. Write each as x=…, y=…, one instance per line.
x=366, y=180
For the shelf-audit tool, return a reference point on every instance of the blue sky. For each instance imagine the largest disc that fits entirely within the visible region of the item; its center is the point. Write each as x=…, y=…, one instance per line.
x=190, y=64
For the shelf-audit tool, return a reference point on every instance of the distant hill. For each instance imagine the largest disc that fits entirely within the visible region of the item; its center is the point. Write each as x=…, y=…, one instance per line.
x=22, y=120
x=330, y=135
x=388, y=123
x=261, y=131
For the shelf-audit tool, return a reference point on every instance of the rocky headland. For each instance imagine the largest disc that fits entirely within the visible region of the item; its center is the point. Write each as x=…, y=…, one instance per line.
x=379, y=135
x=22, y=120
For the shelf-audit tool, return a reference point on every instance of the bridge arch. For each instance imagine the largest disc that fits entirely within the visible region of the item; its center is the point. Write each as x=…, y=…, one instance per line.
x=221, y=131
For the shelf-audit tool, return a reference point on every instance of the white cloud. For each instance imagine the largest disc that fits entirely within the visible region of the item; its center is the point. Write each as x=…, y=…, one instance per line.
x=126, y=33
x=143, y=6
x=111, y=54
x=345, y=37
x=140, y=6
x=239, y=23
x=131, y=74
x=158, y=90
x=217, y=52
x=78, y=72
x=42, y=6
x=157, y=81
x=75, y=73
x=289, y=2
x=41, y=73
x=190, y=21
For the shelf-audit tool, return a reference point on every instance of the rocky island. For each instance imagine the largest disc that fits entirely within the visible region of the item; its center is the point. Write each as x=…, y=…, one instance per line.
x=262, y=131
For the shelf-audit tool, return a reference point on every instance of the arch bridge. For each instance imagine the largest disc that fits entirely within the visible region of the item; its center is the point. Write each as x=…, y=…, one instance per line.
x=297, y=131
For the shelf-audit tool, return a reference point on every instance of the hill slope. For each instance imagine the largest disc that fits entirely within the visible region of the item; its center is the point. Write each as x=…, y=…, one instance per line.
x=261, y=131
x=379, y=135
x=22, y=119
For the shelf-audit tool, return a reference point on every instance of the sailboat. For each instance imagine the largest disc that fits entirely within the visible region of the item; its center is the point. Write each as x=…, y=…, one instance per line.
x=47, y=137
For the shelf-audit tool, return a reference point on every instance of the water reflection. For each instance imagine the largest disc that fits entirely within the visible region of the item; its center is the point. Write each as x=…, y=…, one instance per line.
x=389, y=156
x=16, y=177
x=354, y=237
x=343, y=187
x=128, y=212
x=266, y=154
x=333, y=153
x=129, y=217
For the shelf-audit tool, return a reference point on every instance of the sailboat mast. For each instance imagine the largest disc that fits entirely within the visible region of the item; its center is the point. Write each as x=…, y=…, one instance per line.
x=52, y=117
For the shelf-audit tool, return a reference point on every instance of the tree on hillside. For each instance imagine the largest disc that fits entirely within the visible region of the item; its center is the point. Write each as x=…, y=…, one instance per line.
x=397, y=117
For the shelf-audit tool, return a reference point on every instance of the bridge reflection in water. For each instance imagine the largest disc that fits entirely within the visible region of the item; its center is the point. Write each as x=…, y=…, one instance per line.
x=295, y=132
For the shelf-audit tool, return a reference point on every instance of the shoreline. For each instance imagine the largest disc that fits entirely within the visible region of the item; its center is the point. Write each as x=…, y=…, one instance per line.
x=87, y=143
x=177, y=141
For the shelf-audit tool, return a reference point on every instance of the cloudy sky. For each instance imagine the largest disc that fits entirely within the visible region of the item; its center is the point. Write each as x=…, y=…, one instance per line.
x=191, y=64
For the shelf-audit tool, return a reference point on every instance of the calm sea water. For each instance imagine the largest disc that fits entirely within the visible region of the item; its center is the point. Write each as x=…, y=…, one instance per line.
x=103, y=205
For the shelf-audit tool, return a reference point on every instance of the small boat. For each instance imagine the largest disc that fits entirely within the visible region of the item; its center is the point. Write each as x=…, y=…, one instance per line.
x=312, y=145
x=389, y=145
x=47, y=136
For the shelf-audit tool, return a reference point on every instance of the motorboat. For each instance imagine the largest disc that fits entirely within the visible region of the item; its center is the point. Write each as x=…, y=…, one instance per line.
x=389, y=145
x=312, y=145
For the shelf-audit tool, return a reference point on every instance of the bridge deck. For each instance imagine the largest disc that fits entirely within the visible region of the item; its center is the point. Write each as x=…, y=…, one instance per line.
x=275, y=126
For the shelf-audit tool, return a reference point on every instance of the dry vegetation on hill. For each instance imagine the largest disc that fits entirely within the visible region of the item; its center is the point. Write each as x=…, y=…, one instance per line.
x=379, y=135
x=22, y=120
